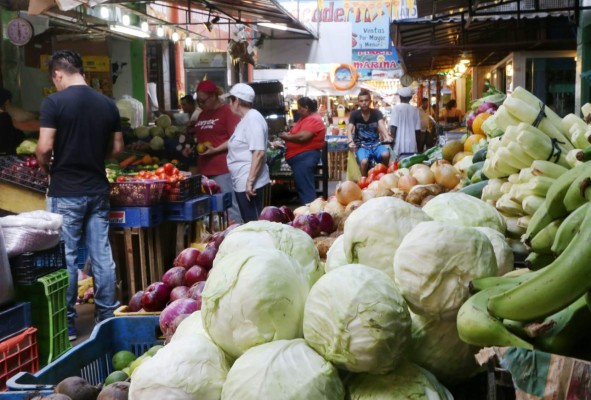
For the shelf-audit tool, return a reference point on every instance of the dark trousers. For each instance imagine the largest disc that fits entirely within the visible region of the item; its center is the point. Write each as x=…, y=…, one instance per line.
x=250, y=209
x=303, y=167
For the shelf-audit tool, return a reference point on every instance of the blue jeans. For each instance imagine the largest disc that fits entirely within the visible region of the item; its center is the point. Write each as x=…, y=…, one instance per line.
x=371, y=152
x=88, y=217
x=224, y=181
x=250, y=209
x=303, y=166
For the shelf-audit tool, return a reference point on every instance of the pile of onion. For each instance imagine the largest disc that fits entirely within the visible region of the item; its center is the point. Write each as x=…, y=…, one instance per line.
x=347, y=192
x=445, y=174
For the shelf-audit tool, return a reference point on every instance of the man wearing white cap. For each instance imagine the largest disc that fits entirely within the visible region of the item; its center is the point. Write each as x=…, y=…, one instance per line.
x=405, y=124
x=246, y=152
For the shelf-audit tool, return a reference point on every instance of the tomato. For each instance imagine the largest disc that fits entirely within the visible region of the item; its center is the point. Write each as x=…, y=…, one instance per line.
x=171, y=179
x=378, y=176
x=363, y=182
x=159, y=170
x=175, y=171
x=393, y=166
x=121, y=178
x=168, y=168
x=379, y=169
x=371, y=176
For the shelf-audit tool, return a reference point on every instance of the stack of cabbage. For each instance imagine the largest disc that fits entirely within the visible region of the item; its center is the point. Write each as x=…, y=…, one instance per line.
x=378, y=324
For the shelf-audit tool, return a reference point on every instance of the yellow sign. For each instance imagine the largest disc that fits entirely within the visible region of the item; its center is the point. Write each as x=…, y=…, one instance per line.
x=90, y=63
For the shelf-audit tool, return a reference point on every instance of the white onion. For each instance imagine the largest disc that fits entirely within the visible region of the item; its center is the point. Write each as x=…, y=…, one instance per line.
x=447, y=176
x=424, y=176
x=406, y=183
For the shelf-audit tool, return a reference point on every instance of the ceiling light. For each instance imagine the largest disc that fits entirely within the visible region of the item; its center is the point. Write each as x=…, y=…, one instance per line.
x=104, y=13
x=160, y=31
x=145, y=27
x=126, y=20
x=464, y=61
x=188, y=41
x=127, y=30
x=461, y=68
x=200, y=47
x=175, y=36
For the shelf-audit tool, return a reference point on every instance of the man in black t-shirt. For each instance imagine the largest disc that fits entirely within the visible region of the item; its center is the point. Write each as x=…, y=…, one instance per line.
x=81, y=127
x=365, y=131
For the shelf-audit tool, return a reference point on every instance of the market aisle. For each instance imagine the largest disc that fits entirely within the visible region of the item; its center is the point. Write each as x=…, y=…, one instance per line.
x=84, y=323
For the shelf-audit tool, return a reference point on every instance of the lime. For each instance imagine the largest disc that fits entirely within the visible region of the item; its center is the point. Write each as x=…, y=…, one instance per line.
x=116, y=376
x=122, y=359
x=153, y=350
x=137, y=363
x=126, y=370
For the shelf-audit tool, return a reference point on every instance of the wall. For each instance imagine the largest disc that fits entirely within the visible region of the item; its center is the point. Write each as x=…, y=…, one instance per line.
x=121, y=71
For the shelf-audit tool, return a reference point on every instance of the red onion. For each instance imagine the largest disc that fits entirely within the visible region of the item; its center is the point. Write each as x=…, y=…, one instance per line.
x=309, y=223
x=135, y=303
x=196, y=290
x=155, y=296
x=174, y=310
x=470, y=119
x=288, y=212
x=174, y=277
x=273, y=214
x=207, y=256
x=326, y=223
x=486, y=107
x=186, y=258
x=179, y=292
x=195, y=274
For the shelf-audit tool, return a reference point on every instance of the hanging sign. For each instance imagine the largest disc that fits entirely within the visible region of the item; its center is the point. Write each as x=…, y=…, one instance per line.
x=343, y=77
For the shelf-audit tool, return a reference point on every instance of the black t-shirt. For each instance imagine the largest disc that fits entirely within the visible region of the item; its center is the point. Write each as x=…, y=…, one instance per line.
x=366, y=132
x=10, y=137
x=85, y=121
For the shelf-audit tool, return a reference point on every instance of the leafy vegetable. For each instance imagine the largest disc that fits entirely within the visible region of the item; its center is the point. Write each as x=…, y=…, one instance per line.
x=356, y=318
x=283, y=369
x=503, y=251
x=142, y=132
x=265, y=234
x=374, y=231
x=335, y=257
x=435, y=263
x=157, y=143
x=466, y=210
x=191, y=326
x=408, y=381
x=163, y=121
x=253, y=296
x=27, y=146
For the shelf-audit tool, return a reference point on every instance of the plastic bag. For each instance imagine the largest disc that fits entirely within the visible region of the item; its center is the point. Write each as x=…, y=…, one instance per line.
x=6, y=287
x=31, y=231
x=353, y=171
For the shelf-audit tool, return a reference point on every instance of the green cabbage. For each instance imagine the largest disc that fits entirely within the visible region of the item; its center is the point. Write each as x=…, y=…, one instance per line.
x=142, y=132
x=436, y=346
x=466, y=210
x=265, y=234
x=503, y=251
x=27, y=146
x=251, y=297
x=408, y=381
x=157, y=143
x=435, y=263
x=192, y=368
x=163, y=121
x=283, y=369
x=356, y=318
x=374, y=231
x=157, y=131
x=335, y=257
x=189, y=327
x=172, y=132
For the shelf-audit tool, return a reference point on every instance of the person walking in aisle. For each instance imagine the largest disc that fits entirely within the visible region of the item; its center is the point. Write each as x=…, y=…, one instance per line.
x=405, y=124
x=304, y=143
x=426, y=137
x=365, y=132
x=81, y=128
x=246, y=152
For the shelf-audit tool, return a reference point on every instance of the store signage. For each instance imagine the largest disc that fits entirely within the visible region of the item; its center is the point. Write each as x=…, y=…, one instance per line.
x=376, y=64
x=90, y=63
x=117, y=217
x=355, y=11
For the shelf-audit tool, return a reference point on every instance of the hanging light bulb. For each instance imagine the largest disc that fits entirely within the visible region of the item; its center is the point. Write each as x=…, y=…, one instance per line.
x=175, y=36
x=188, y=41
x=200, y=47
x=145, y=27
x=160, y=31
x=104, y=13
x=126, y=20
x=461, y=68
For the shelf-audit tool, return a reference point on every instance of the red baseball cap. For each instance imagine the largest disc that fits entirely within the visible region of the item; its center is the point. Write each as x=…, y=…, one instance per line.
x=207, y=87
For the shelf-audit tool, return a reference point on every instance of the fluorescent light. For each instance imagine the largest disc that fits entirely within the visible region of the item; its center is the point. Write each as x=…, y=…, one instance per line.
x=281, y=27
x=126, y=20
x=175, y=36
x=126, y=30
x=188, y=41
x=104, y=12
x=160, y=31
x=145, y=27
x=200, y=47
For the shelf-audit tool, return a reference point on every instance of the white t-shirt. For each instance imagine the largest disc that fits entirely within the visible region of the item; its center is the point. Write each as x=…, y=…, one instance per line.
x=406, y=119
x=250, y=135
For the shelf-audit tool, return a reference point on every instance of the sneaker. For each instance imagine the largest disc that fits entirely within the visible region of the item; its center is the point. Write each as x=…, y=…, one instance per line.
x=72, y=333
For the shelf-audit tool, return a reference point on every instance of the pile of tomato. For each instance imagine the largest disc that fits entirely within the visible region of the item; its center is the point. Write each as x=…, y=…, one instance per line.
x=168, y=172
x=375, y=173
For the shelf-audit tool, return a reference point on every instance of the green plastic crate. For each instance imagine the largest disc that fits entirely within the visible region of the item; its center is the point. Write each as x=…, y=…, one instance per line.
x=49, y=311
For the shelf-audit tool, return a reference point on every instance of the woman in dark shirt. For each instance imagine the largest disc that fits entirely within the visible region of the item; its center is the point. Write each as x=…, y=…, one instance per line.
x=10, y=137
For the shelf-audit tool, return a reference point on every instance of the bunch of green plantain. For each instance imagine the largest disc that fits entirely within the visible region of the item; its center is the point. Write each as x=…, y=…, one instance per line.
x=547, y=305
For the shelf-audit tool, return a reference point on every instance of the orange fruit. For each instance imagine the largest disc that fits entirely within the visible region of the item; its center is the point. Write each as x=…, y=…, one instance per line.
x=472, y=139
x=477, y=124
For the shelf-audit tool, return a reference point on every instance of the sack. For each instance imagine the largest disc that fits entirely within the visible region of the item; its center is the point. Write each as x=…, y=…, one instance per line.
x=31, y=231
x=353, y=171
x=6, y=287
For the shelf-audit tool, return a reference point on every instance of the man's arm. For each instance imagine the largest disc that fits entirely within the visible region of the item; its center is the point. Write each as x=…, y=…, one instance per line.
x=118, y=144
x=383, y=131
x=258, y=159
x=350, y=132
x=45, y=147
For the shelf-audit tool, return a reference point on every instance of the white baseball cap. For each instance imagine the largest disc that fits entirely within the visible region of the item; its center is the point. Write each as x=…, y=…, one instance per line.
x=241, y=91
x=405, y=92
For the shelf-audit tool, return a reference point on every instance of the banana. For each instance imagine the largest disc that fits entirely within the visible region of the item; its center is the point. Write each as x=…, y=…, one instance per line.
x=511, y=278
x=575, y=195
x=536, y=261
x=556, y=286
x=477, y=327
x=569, y=330
x=568, y=229
x=547, y=168
x=538, y=221
x=542, y=242
x=556, y=193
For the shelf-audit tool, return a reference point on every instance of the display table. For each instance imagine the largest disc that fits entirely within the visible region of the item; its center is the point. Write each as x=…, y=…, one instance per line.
x=17, y=199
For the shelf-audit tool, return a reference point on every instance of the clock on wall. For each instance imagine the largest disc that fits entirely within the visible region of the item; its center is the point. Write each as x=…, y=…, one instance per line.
x=19, y=31
x=406, y=80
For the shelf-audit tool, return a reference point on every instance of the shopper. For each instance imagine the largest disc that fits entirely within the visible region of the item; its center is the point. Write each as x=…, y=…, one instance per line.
x=451, y=115
x=81, y=127
x=304, y=143
x=405, y=124
x=426, y=136
x=365, y=131
x=213, y=128
x=189, y=107
x=246, y=152
x=10, y=136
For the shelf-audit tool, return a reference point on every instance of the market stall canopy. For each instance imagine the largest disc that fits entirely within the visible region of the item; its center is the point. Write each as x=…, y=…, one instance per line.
x=485, y=32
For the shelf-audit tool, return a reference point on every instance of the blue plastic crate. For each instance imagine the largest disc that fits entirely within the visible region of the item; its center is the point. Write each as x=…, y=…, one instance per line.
x=136, y=217
x=26, y=268
x=14, y=319
x=221, y=202
x=92, y=359
x=189, y=210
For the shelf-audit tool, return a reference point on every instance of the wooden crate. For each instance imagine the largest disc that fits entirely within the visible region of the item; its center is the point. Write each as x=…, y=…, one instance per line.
x=337, y=164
